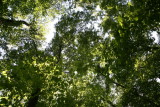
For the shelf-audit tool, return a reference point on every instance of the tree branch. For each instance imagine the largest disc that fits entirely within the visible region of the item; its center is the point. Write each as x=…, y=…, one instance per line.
x=11, y=22
x=109, y=102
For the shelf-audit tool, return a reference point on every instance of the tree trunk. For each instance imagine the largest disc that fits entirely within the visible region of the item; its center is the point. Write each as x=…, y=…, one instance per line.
x=32, y=102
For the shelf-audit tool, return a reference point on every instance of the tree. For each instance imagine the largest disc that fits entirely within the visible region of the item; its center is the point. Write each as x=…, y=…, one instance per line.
x=113, y=64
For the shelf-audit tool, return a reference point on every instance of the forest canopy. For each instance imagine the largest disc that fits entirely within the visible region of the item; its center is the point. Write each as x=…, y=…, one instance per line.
x=103, y=53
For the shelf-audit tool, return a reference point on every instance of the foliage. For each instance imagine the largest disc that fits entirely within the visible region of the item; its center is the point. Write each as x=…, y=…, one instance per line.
x=102, y=54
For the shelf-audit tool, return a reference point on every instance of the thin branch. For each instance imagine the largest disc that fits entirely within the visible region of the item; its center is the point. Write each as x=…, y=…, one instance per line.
x=118, y=84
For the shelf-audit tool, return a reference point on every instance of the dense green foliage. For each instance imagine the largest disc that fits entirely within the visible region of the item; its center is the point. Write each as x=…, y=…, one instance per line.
x=102, y=54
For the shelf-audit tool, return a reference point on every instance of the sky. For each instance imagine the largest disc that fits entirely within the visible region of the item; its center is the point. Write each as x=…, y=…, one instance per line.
x=155, y=35
x=50, y=30
x=50, y=27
